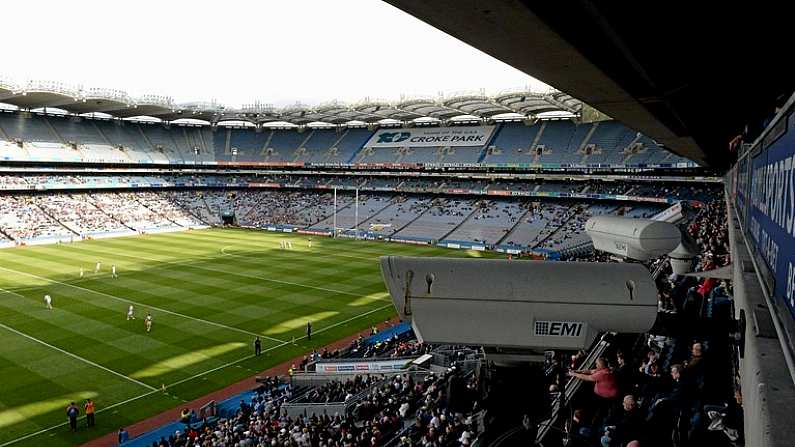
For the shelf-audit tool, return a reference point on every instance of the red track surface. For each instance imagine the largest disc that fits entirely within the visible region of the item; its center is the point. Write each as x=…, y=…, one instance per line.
x=244, y=385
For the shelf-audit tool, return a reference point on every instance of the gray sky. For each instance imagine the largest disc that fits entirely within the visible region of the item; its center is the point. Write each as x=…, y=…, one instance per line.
x=237, y=51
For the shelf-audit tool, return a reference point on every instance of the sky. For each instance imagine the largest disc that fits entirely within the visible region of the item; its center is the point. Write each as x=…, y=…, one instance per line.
x=278, y=52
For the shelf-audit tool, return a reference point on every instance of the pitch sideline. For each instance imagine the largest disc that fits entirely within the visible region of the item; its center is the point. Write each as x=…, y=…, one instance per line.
x=118, y=404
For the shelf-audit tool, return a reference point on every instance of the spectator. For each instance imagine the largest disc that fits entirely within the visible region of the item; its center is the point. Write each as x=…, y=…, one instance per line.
x=72, y=412
x=89, y=408
x=605, y=385
x=630, y=424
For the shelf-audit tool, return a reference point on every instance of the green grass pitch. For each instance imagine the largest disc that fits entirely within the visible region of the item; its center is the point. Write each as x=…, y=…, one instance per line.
x=209, y=292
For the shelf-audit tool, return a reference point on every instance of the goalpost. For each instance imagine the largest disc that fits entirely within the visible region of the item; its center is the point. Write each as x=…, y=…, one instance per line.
x=355, y=228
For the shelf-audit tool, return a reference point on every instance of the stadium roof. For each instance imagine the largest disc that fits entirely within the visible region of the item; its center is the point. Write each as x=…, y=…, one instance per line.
x=117, y=103
x=670, y=70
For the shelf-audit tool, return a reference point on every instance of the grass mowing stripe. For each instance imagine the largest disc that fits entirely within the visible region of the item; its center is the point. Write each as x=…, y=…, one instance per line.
x=220, y=296
x=297, y=253
x=125, y=300
x=76, y=357
x=188, y=246
x=110, y=407
x=242, y=275
x=251, y=266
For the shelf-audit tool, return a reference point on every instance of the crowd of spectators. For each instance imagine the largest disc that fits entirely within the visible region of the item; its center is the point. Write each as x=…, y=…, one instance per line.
x=73, y=216
x=553, y=226
x=75, y=212
x=22, y=219
x=413, y=411
x=339, y=390
x=392, y=348
x=681, y=377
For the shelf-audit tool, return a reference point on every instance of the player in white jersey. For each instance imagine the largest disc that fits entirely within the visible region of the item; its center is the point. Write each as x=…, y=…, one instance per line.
x=48, y=301
x=81, y=273
x=131, y=313
x=113, y=271
x=148, y=322
x=98, y=267
x=290, y=245
x=310, y=242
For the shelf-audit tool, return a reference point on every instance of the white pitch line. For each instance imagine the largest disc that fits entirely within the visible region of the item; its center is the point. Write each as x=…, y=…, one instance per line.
x=77, y=357
x=195, y=376
x=221, y=237
x=335, y=255
x=242, y=275
x=159, y=309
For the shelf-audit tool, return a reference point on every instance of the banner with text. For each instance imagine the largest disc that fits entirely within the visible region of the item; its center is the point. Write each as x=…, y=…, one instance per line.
x=771, y=217
x=432, y=136
x=362, y=366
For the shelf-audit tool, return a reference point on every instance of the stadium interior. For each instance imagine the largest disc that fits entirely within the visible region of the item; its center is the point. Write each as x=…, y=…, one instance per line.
x=605, y=270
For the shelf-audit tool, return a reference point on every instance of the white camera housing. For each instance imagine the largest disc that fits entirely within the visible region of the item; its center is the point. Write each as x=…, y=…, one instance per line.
x=640, y=239
x=519, y=304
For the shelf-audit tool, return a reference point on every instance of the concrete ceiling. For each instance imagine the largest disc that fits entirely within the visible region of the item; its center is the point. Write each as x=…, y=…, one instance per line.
x=688, y=75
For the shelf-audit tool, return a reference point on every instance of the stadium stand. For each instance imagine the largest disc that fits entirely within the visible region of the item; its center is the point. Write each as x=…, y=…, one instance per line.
x=422, y=210
x=53, y=138
x=127, y=177
x=664, y=382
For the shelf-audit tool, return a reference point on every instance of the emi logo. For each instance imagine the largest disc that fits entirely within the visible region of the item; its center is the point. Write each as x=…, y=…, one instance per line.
x=558, y=328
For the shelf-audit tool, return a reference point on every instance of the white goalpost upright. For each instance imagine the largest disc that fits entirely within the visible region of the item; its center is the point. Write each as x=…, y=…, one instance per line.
x=334, y=234
x=356, y=215
x=343, y=227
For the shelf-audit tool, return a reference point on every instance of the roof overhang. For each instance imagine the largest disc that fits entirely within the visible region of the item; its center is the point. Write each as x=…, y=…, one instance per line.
x=670, y=71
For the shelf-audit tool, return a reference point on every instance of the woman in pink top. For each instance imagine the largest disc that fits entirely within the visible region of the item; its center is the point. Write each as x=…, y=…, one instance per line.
x=605, y=385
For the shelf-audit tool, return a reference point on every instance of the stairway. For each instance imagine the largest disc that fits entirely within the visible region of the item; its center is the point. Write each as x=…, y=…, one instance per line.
x=101, y=133
x=192, y=157
x=3, y=232
x=4, y=135
x=358, y=155
x=54, y=132
x=584, y=143
x=192, y=213
x=514, y=227
x=203, y=145
x=228, y=142
x=626, y=158
x=538, y=136
x=145, y=138
x=264, y=150
x=96, y=205
x=143, y=205
x=301, y=149
x=370, y=217
x=431, y=204
x=207, y=206
x=253, y=207
x=336, y=143
x=588, y=137
x=348, y=205
x=553, y=232
x=476, y=208
x=55, y=219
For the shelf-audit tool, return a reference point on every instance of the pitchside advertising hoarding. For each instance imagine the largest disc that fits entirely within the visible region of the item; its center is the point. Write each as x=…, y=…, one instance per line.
x=771, y=217
x=353, y=367
x=432, y=137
